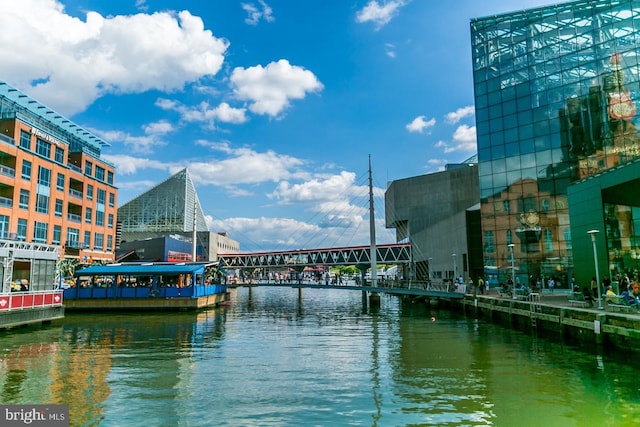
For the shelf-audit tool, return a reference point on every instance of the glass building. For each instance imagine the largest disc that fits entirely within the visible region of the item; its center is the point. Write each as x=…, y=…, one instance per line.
x=556, y=95
x=170, y=207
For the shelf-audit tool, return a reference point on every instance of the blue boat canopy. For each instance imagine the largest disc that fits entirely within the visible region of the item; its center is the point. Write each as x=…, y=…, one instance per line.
x=140, y=269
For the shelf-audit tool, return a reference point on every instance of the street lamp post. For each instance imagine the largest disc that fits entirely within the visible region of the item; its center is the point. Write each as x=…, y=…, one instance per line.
x=430, y=270
x=513, y=271
x=595, y=260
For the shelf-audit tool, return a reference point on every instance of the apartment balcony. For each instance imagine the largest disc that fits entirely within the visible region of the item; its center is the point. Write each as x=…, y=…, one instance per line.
x=7, y=139
x=6, y=202
x=7, y=171
x=74, y=218
x=75, y=193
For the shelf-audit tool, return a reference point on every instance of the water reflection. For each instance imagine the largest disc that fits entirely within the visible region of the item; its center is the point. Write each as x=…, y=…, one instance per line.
x=272, y=358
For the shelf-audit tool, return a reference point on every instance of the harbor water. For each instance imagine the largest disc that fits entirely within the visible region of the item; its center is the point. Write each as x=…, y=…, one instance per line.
x=275, y=358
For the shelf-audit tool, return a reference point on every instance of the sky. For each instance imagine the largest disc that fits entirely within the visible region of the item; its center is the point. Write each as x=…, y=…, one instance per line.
x=275, y=107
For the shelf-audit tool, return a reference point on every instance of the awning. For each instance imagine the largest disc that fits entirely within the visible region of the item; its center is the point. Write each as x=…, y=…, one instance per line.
x=140, y=269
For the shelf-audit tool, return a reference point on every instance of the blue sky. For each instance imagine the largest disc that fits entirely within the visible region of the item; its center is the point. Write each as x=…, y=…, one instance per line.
x=273, y=105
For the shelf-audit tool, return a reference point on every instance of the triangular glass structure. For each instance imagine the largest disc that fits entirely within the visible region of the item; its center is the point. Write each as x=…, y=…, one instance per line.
x=167, y=207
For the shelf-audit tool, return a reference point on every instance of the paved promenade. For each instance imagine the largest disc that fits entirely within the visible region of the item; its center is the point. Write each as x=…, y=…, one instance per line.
x=560, y=298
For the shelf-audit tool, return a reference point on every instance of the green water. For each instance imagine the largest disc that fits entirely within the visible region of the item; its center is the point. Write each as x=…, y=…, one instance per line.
x=271, y=359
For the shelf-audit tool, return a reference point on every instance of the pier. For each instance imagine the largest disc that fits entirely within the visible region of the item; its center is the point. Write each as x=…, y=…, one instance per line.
x=553, y=314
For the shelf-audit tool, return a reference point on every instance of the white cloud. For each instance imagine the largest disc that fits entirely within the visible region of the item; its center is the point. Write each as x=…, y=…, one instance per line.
x=270, y=89
x=142, y=144
x=390, y=50
x=158, y=128
x=267, y=233
x=231, y=171
x=128, y=165
x=460, y=113
x=79, y=61
x=317, y=189
x=204, y=113
x=255, y=13
x=419, y=124
x=379, y=13
x=464, y=139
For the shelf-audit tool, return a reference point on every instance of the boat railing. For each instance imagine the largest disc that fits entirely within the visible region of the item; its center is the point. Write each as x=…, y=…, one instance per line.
x=97, y=292
x=23, y=300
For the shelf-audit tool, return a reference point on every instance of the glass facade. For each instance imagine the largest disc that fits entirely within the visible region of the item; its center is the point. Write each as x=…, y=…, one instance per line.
x=171, y=206
x=556, y=90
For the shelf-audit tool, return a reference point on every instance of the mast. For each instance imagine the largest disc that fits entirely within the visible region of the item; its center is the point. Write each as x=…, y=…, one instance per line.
x=372, y=232
x=195, y=234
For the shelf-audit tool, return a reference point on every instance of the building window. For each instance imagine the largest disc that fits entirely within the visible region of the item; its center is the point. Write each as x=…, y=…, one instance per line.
x=89, y=192
x=22, y=229
x=110, y=177
x=567, y=238
x=24, y=199
x=110, y=221
x=99, y=218
x=112, y=199
x=57, y=234
x=26, y=170
x=25, y=140
x=507, y=206
x=60, y=182
x=509, y=237
x=88, y=168
x=99, y=173
x=58, y=208
x=42, y=203
x=545, y=205
x=87, y=239
x=109, y=242
x=548, y=241
x=40, y=232
x=43, y=148
x=73, y=235
x=489, y=242
x=88, y=215
x=98, y=241
x=102, y=196
x=44, y=176
x=60, y=155
x=4, y=226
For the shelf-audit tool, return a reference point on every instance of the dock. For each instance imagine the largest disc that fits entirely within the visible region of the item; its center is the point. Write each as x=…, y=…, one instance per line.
x=554, y=314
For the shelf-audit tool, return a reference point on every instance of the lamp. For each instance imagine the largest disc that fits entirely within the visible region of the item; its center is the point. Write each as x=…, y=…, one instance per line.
x=513, y=271
x=595, y=260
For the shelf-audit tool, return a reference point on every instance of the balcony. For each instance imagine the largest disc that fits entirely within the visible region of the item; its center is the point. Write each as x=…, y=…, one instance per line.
x=75, y=193
x=6, y=202
x=7, y=171
x=74, y=218
x=6, y=139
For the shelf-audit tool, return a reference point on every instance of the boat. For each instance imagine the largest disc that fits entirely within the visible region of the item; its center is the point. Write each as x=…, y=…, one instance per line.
x=145, y=286
x=27, y=290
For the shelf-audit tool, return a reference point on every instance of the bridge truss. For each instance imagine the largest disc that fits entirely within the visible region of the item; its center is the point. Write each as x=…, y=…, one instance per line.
x=397, y=253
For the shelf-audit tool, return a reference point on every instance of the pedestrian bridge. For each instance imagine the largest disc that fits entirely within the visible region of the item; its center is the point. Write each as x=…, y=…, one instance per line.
x=397, y=253
x=430, y=291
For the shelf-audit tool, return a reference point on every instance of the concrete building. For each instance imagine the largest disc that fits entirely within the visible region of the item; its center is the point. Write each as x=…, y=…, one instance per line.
x=54, y=186
x=556, y=93
x=160, y=224
x=431, y=211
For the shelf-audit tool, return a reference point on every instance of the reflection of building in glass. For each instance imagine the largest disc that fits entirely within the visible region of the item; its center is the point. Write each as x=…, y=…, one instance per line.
x=556, y=90
x=169, y=212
